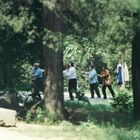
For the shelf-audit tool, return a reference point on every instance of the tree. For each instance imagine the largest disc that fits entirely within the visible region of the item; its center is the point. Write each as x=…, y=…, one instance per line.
x=20, y=38
x=136, y=74
x=53, y=60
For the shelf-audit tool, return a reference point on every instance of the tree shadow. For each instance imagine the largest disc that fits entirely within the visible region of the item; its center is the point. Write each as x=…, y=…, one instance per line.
x=98, y=114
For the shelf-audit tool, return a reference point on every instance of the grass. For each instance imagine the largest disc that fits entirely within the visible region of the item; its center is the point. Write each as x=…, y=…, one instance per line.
x=86, y=130
x=92, y=122
x=98, y=121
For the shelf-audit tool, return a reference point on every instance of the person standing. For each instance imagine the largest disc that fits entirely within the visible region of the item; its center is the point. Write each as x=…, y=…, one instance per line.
x=37, y=80
x=105, y=74
x=93, y=81
x=119, y=75
x=72, y=80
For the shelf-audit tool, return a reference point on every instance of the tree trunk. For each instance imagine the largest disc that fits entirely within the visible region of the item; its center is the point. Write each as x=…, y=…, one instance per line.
x=136, y=74
x=54, y=101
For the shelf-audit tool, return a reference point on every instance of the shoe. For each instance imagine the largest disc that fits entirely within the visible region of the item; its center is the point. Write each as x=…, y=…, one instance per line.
x=105, y=98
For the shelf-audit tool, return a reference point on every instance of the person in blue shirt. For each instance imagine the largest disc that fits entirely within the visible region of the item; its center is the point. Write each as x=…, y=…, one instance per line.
x=37, y=80
x=93, y=82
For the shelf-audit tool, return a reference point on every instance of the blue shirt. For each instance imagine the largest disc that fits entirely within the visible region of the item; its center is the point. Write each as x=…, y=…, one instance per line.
x=37, y=73
x=93, y=78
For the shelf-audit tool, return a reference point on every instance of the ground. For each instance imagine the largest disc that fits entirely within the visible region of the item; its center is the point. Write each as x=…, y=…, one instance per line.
x=24, y=131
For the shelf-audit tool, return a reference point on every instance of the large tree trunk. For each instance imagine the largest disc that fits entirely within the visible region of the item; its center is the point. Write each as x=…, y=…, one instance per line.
x=54, y=101
x=136, y=74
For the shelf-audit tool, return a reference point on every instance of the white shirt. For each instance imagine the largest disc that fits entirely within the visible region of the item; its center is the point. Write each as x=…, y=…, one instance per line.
x=70, y=73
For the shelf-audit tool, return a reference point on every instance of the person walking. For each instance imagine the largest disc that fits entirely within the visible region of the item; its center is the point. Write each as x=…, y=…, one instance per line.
x=105, y=74
x=93, y=82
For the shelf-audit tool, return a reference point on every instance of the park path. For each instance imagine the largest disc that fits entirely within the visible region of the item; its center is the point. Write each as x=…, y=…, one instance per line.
x=96, y=100
x=18, y=132
x=6, y=133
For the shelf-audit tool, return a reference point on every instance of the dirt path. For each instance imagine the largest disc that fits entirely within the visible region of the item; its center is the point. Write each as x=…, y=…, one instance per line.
x=20, y=132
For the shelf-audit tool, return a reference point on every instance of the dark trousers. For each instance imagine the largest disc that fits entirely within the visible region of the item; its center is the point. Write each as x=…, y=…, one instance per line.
x=37, y=86
x=110, y=89
x=94, y=87
x=72, y=87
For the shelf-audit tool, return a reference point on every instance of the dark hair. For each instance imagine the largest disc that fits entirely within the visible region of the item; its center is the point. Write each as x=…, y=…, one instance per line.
x=105, y=66
x=92, y=66
x=72, y=64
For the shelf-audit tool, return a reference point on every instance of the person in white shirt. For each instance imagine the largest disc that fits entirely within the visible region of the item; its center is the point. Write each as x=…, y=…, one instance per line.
x=72, y=80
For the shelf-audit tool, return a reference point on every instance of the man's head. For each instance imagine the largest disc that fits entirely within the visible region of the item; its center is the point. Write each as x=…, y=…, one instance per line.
x=92, y=67
x=36, y=64
x=104, y=68
x=71, y=64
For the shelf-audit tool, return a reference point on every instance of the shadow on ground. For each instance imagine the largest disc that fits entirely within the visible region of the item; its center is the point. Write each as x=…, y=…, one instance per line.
x=97, y=113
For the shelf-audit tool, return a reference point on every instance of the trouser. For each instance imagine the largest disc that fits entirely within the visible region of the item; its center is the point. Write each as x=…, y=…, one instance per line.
x=94, y=87
x=110, y=89
x=72, y=87
x=37, y=86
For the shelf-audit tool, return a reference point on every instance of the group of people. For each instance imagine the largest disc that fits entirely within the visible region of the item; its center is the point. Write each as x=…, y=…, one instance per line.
x=70, y=72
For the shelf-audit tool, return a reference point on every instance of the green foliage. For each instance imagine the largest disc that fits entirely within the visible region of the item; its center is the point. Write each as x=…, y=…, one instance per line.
x=38, y=116
x=94, y=31
x=28, y=117
x=41, y=116
x=123, y=102
x=101, y=33
x=20, y=37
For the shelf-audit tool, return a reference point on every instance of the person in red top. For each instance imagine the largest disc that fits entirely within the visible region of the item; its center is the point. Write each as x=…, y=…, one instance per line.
x=105, y=74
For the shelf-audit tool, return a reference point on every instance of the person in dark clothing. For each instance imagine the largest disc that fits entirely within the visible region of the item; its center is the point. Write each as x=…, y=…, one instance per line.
x=37, y=80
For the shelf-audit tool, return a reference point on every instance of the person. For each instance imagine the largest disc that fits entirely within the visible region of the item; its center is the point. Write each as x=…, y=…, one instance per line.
x=93, y=81
x=70, y=72
x=37, y=80
x=105, y=74
x=119, y=74
x=122, y=74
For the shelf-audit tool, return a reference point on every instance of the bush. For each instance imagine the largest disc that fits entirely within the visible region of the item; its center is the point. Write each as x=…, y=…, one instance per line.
x=38, y=116
x=123, y=102
x=42, y=116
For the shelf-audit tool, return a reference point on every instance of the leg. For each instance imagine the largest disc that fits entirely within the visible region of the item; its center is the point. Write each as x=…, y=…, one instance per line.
x=75, y=86
x=104, y=91
x=38, y=88
x=70, y=90
x=97, y=90
x=34, y=89
x=111, y=91
x=92, y=90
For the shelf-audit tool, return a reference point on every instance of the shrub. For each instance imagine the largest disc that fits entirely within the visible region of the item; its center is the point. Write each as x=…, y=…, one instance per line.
x=42, y=116
x=123, y=102
x=38, y=116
